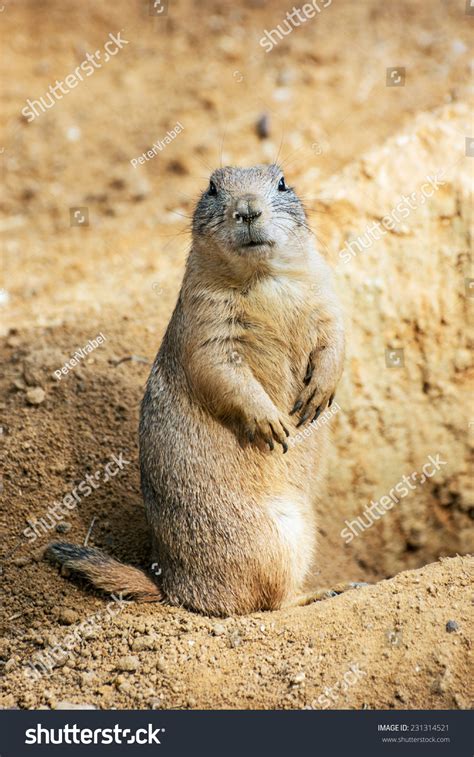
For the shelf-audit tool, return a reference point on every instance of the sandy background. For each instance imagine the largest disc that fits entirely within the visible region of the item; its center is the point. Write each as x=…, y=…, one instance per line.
x=352, y=147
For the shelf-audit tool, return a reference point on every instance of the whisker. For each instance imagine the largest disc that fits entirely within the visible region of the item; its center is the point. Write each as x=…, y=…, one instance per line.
x=279, y=149
x=181, y=215
x=222, y=143
x=290, y=231
x=285, y=161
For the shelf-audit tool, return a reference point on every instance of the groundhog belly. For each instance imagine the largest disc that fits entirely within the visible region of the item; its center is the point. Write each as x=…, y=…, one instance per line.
x=292, y=518
x=230, y=531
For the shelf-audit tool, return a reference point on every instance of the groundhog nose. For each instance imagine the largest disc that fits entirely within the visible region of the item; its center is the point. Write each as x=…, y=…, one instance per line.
x=247, y=209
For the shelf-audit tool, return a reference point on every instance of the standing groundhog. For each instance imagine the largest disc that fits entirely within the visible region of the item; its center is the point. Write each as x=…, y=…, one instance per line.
x=254, y=349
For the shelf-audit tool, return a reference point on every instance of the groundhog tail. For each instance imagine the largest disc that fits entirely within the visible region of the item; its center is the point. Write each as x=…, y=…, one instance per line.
x=104, y=572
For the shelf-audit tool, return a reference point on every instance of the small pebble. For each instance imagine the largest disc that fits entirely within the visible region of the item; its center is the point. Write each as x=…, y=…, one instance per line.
x=73, y=133
x=297, y=678
x=67, y=617
x=20, y=562
x=284, y=77
x=63, y=528
x=234, y=640
x=218, y=629
x=31, y=374
x=9, y=665
x=129, y=663
x=451, y=626
x=35, y=396
x=143, y=642
x=88, y=679
x=263, y=126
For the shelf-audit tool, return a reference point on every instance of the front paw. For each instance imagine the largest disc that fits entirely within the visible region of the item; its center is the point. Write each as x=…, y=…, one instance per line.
x=264, y=429
x=311, y=402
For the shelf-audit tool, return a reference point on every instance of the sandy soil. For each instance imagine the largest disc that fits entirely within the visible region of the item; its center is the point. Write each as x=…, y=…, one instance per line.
x=323, y=88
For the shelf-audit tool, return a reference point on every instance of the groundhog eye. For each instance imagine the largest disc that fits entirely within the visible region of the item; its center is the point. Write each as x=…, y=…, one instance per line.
x=281, y=185
x=212, y=188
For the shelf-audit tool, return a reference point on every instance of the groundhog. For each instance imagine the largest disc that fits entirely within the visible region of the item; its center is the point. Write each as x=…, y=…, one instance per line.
x=253, y=352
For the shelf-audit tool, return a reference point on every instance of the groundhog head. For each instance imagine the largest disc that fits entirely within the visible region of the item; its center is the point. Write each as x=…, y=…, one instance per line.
x=249, y=214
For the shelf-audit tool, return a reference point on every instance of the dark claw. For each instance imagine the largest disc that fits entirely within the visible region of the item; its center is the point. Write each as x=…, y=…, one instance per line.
x=270, y=444
x=297, y=406
x=285, y=447
x=331, y=399
x=318, y=413
x=308, y=374
x=285, y=430
x=302, y=420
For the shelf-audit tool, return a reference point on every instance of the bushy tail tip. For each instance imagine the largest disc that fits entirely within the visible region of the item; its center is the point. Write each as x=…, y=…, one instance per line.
x=104, y=572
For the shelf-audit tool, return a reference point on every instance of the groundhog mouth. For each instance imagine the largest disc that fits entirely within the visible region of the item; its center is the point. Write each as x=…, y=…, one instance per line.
x=259, y=250
x=255, y=241
x=265, y=243
x=254, y=244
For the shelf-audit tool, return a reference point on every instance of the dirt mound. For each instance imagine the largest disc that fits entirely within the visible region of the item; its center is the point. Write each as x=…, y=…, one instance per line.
x=401, y=644
x=397, y=226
